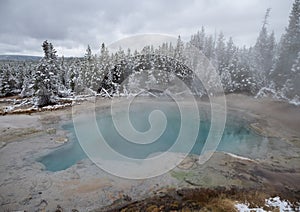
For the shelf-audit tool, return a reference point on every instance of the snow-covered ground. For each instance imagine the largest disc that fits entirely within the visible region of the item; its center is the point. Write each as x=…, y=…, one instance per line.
x=27, y=105
x=271, y=92
x=274, y=203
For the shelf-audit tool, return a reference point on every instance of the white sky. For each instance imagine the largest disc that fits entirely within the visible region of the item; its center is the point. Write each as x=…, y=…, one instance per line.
x=73, y=24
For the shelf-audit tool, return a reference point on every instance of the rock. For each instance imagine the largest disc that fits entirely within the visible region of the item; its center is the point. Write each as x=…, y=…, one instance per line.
x=295, y=139
x=262, y=130
x=127, y=198
x=2, y=144
x=59, y=209
x=42, y=205
x=152, y=208
x=26, y=200
x=61, y=140
x=191, y=183
x=186, y=209
x=187, y=163
x=256, y=128
x=51, y=130
x=174, y=205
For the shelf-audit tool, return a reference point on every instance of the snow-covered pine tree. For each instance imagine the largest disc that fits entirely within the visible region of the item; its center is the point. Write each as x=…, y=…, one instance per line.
x=119, y=56
x=105, y=64
x=87, y=68
x=163, y=49
x=95, y=74
x=74, y=81
x=198, y=40
x=209, y=48
x=19, y=76
x=171, y=50
x=117, y=73
x=178, y=56
x=235, y=73
x=220, y=53
x=46, y=80
x=230, y=75
x=63, y=72
x=133, y=85
x=27, y=89
x=5, y=85
x=63, y=86
x=245, y=59
x=289, y=49
x=179, y=50
x=291, y=88
x=263, y=54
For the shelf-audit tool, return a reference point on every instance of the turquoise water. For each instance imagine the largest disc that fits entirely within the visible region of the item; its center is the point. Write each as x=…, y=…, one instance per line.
x=237, y=138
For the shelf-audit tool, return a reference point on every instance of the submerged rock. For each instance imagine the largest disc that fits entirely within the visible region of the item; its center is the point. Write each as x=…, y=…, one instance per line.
x=51, y=131
x=61, y=140
x=2, y=144
x=260, y=130
x=187, y=163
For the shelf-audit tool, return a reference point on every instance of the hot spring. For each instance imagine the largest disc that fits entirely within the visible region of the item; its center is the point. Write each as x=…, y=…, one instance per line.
x=237, y=138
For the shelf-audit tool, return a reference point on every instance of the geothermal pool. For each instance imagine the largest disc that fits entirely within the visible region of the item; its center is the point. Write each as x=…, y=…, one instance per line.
x=237, y=138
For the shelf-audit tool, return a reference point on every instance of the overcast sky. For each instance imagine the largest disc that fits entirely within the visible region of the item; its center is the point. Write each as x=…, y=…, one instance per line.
x=72, y=25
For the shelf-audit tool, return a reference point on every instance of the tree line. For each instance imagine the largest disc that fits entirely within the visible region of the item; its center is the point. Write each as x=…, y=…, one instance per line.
x=268, y=67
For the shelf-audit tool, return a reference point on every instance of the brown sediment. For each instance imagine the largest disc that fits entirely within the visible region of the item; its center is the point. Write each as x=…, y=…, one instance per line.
x=10, y=134
x=281, y=118
x=85, y=187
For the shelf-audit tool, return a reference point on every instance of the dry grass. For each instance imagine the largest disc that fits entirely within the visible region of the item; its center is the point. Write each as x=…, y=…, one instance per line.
x=197, y=199
x=220, y=204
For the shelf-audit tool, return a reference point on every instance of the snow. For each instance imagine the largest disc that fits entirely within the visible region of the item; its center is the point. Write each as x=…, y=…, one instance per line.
x=8, y=108
x=55, y=107
x=295, y=101
x=264, y=92
x=274, y=202
x=281, y=204
x=238, y=157
x=245, y=208
x=271, y=92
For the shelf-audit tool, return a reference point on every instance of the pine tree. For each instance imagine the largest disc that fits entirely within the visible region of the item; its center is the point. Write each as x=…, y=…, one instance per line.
x=163, y=49
x=220, y=53
x=233, y=67
x=209, y=47
x=46, y=80
x=73, y=79
x=250, y=83
x=120, y=55
x=19, y=75
x=5, y=85
x=88, y=68
x=27, y=89
x=289, y=49
x=105, y=63
x=116, y=77
x=230, y=73
x=179, y=50
x=263, y=54
x=291, y=88
x=198, y=40
x=134, y=83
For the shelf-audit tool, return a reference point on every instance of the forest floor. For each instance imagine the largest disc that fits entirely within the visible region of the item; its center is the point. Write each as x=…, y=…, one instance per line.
x=218, y=185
